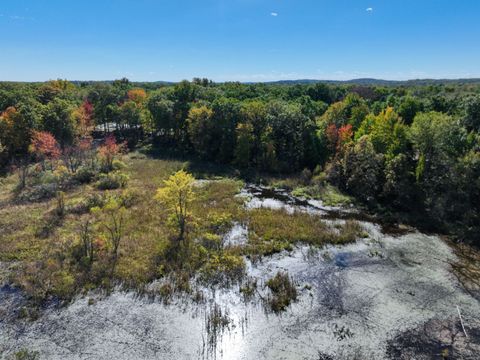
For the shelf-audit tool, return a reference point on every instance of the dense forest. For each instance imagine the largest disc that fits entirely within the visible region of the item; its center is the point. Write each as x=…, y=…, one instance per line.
x=405, y=151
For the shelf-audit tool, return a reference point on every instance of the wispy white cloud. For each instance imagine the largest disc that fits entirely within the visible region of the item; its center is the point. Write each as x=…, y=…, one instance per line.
x=18, y=17
x=267, y=76
x=369, y=9
x=274, y=14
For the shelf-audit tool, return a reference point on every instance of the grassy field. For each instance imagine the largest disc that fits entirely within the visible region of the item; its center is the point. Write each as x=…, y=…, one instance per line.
x=44, y=246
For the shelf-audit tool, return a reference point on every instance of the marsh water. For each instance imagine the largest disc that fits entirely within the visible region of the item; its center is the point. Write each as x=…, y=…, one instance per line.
x=387, y=296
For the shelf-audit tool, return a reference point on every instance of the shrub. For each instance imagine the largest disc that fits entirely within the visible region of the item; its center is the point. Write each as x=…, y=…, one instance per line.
x=283, y=292
x=60, y=209
x=109, y=151
x=63, y=284
x=306, y=176
x=38, y=193
x=46, y=177
x=112, y=181
x=95, y=200
x=91, y=201
x=84, y=175
x=219, y=222
x=25, y=354
x=318, y=170
x=166, y=292
x=211, y=241
x=62, y=175
x=118, y=165
x=52, y=221
x=350, y=232
x=248, y=288
x=129, y=197
x=223, y=269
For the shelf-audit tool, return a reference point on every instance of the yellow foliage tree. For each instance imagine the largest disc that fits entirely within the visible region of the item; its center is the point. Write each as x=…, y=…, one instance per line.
x=176, y=195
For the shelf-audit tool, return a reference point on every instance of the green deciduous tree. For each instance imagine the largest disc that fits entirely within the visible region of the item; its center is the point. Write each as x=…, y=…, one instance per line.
x=201, y=131
x=162, y=111
x=244, y=147
x=363, y=170
x=439, y=141
x=471, y=110
x=408, y=108
x=58, y=119
x=386, y=131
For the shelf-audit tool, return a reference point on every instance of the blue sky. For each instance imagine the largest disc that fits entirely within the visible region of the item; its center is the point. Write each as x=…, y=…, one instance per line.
x=244, y=40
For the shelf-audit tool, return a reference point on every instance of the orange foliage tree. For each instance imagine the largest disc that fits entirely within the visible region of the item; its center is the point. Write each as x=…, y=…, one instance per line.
x=345, y=135
x=83, y=116
x=138, y=96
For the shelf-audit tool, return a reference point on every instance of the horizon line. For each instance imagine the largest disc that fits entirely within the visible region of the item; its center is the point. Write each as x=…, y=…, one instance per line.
x=251, y=82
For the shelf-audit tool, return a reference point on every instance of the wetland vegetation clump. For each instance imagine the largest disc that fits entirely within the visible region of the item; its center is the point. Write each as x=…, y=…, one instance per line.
x=26, y=354
x=272, y=231
x=112, y=181
x=314, y=185
x=350, y=231
x=223, y=269
x=248, y=288
x=216, y=322
x=282, y=292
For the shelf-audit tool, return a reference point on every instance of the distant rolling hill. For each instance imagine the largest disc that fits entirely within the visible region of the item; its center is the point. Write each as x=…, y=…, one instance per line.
x=380, y=82
x=359, y=82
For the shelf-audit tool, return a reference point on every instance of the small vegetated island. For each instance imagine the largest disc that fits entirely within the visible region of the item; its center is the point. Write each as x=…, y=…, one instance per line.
x=249, y=221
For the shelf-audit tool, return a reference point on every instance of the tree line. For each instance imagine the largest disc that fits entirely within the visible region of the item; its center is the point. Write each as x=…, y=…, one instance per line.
x=411, y=150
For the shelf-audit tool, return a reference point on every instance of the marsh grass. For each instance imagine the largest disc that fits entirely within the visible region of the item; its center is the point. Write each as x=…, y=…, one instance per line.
x=248, y=288
x=314, y=187
x=283, y=292
x=273, y=231
x=216, y=322
x=329, y=194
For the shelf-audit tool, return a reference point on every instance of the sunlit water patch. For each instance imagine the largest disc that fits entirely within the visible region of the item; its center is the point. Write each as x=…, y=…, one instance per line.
x=237, y=235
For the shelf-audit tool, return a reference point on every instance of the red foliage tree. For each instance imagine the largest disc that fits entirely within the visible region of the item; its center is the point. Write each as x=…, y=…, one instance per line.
x=88, y=108
x=109, y=150
x=44, y=146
